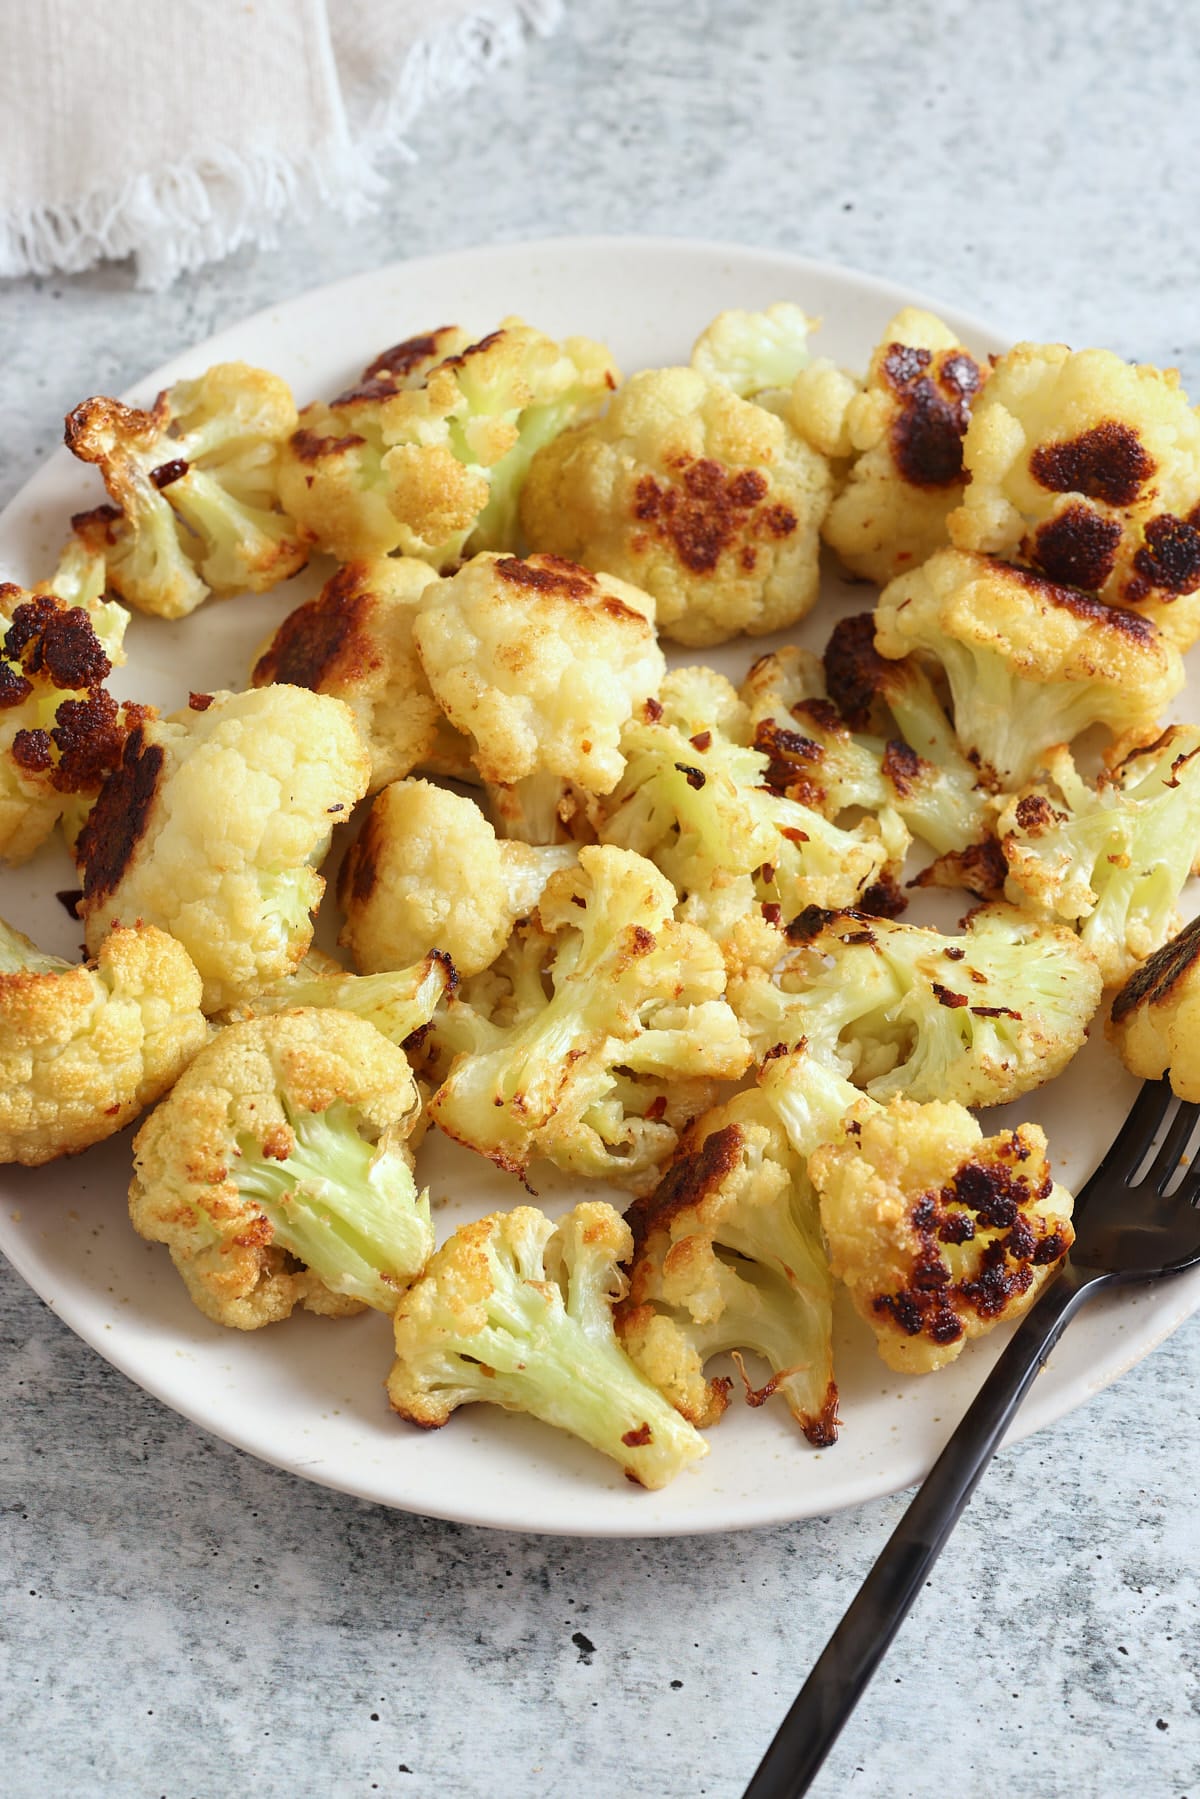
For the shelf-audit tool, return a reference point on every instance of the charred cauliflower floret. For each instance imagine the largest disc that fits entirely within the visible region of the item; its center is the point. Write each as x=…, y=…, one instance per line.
x=696, y=798
x=212, y=827
x=938, y=1232
x=83, y=1048
x=278, y=1175
x=518, y=1312
x=709, y=502
x=429, y=453
x=755, y=353
x=727, y=1257
x=193, y=483
x=903, y=431
x=61, y=731
x=1155, y=1019
x=428, y=872
x=601, y=1075
x=355, y=641
x=1111, y=859
x=1030, y=664
x=1088, y=467
x=81, y=579
x=901, y=1009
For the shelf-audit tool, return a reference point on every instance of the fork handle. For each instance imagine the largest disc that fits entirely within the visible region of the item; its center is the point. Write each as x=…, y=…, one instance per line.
x=863, y=1637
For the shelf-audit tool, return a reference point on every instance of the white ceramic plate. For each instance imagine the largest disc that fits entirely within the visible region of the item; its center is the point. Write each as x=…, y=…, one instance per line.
x=307, y=1395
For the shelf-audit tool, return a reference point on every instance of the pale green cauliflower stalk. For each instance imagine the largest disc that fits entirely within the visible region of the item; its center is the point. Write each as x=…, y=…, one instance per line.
x=1113, y=859
x=518, y=1312
x=398, y=1003
x=901, y=1009
x=193, y=483
x=600, y=1076
x=755, y=353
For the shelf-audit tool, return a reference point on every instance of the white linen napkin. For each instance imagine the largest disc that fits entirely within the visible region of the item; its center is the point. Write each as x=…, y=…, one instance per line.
x=177, y=131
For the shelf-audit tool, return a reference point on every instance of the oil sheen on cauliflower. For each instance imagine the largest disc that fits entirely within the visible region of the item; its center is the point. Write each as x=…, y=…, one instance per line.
x=1030, y=664
x=213, y=824
x=938, y=1232
x=1155, y=1019
x=518, y=1312
x=728, y=1257
x=711, y=503
x=84, y=1048
x=903, y=434
x=428, y=872
x=1088, y=467
x=193, y=483
x=277, y=1171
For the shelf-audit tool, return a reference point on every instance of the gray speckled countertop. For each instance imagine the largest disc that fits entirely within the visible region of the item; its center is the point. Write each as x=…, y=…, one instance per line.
x=181, y=1620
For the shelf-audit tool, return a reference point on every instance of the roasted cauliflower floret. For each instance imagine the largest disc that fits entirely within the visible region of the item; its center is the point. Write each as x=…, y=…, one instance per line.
x=697, y=799
x=212, y=827
x=1088, y=467
x=938, y=1232
x=61, y=731
x=429, y=453
x=901, y=1009
x=1111, y=859
x=904, y=430
x=707, y=501
x=83, y=1048
x=428, y=872
x=755, y=353
x=81, y=579
x=1155, y=1019
x=355, y=641
x=193, y=483
x=540, y=663
x=277, y=1171
x=1030, y=664
x=517, y=1311
x=602, y=1075
x=399, y=1003
x=727, y=1256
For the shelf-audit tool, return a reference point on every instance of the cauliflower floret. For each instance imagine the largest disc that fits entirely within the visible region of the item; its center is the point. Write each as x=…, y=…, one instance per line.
x=355, y=641
x=194, y=486
x=517, y=1311
x=428, y=872
x=429, y=454
x=539, y=663
x=278, y=1174
x=601, y=1076
x=212, y=825
x=727, y=1256
x=1155, y=1019
x=84, y=1048
x=697, y=800
x=905, y=431
x=709, y=502
x=1030, y=664
x=902, y=1009
x=399, y=1003
x=1112, y=859
x=1089, y=468
x=61, y=731
x=755, y=352
x=81, y=580
x=939, y=1233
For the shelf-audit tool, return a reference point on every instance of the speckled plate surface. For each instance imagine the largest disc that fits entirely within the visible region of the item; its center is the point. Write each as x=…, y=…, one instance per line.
x=307, y=1395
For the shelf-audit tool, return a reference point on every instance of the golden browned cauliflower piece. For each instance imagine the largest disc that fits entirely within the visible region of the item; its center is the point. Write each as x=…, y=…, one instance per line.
x=904, y=432
x=709, y=502
x=193, y=480
x=428, y=872
x=1089, y=467
x=1030, y=664
x=212, y=827
x=938, y=1232
x=355, y=641
x=1155, y=1019
x=428, y=454
x=278, y=1174
x=83, y=1048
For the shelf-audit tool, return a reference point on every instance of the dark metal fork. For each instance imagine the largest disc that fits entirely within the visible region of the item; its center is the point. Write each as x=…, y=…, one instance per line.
x=1136, y=1219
